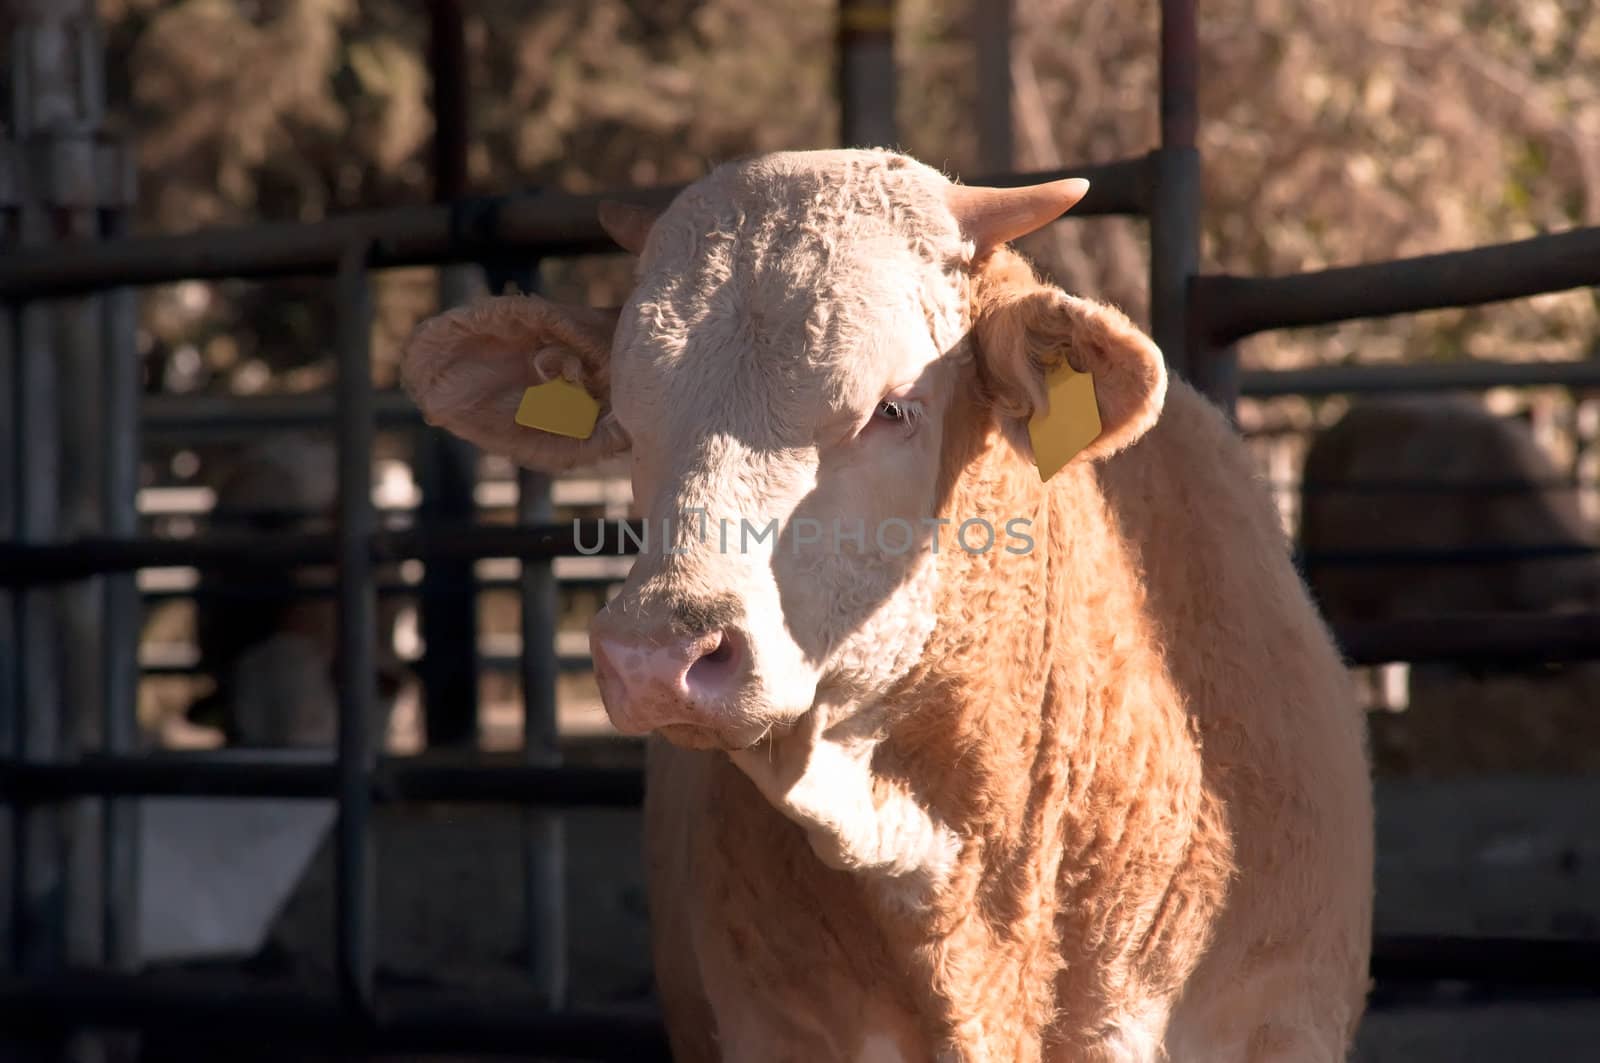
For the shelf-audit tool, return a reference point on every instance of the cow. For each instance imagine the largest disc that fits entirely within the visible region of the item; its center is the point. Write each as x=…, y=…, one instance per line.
x=1444, y=473
x=1439, y=473
x=1094, y=789
x=271, y=655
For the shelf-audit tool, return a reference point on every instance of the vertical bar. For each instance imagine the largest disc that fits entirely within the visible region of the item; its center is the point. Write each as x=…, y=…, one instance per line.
x=39, y=844
x=354, y=910
x=39, y=841
x=447, y=466
x=1180, y=47
x=866, y=73
x=10, y=690
x=447, y=62
x=545, y=915
x=10, y=457
x=447, y=603
x=119, y=699
x=44, y=102
x=991, y=30
x=544, y=904
x=80, y=356
x=1175, y=198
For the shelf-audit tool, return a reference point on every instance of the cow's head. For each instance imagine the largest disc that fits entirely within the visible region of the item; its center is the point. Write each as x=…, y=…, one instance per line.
x=806, y=332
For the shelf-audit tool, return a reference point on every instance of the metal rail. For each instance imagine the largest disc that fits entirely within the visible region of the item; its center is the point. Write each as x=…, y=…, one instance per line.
x=187, y=418
x=24, y=564
x=1390, y=379
x=1231, y=308
x=485, y=778
x=32, y=565
x=1487, y=639
x=1494, y=638
x=203, y=1011
x=514, y=227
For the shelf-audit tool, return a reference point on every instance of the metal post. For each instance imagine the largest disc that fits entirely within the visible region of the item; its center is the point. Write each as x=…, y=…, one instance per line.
x=10, y=459
x=866, y=73
x=355, y=909
x=81, y=359
x=544, y=908
x=119, y=492
x=446, y=465
x=1175, y=199
x=51, y=92
x=991, y=31
x=545, y=915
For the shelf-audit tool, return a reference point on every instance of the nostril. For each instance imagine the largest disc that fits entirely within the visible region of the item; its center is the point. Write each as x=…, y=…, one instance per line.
x=717, y=667
x=722, y=652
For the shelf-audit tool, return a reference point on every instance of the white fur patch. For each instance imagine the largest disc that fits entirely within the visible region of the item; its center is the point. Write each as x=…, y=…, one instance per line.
x=826, y=785
x=1139, y=1035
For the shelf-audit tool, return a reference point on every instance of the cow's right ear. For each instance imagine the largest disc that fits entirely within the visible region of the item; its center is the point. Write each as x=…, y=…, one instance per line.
x=1076, y=376
x=468, y=368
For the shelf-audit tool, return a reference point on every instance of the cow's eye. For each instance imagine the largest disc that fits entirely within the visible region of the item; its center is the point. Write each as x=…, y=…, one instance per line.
x=897, y=415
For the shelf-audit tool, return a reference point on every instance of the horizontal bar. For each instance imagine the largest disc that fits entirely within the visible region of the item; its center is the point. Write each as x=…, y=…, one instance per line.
x=322, y=590
x=220, y=1008
x=1505, y=961
x=32, y=564
x=489, y=779
x=1478, y=638
x=167, y=416
x=1392, y=379
x=29, y=564
x=567, y=663
x=1522, y=638
x=1232, y=308
x=183, y=416
x=1477, y=488
x=1487, y=554
x=549, y=223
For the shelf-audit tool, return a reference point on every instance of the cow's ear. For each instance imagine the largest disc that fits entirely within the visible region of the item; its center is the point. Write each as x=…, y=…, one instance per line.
x=470, y=371
x=1078, y=380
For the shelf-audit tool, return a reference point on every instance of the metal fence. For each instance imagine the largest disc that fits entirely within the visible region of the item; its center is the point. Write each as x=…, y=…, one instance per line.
x=69, y=257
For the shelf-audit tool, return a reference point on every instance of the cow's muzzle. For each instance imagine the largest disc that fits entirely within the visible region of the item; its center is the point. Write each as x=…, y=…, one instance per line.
x=692, y=686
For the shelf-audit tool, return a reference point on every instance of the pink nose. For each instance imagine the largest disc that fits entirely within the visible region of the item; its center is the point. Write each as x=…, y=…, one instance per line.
x=652, y=681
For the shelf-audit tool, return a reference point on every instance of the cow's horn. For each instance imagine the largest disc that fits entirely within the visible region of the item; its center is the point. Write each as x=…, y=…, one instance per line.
x=627, y=224
x=990, y=217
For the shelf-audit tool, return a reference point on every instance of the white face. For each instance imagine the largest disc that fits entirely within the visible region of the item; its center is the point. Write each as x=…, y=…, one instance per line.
x=786, y=374
x=782, y=373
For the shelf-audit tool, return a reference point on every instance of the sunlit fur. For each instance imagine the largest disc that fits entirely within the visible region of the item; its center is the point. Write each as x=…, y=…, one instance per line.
x=1103, y=801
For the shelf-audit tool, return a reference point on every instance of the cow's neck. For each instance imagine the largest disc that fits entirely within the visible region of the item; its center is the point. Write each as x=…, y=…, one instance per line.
x=950, y=752
x=1042, y=714
x=990, y=699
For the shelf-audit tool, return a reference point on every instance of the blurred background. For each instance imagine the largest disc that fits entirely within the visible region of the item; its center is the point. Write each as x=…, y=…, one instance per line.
x=1331, y=132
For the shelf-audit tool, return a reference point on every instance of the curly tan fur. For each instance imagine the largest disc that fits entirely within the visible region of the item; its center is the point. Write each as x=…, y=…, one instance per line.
x=1144, y=738
x=1100, y=800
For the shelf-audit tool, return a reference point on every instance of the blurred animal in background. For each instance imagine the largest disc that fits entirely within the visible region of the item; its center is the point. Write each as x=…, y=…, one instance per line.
x=273, y=656
x=1443, y=473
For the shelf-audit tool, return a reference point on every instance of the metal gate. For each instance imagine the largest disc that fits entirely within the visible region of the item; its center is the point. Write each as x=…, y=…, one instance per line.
x=69, y=259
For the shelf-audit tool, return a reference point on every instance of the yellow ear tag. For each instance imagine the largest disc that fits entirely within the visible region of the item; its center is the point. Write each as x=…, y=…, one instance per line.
x=561, y=407
x=1072, y=423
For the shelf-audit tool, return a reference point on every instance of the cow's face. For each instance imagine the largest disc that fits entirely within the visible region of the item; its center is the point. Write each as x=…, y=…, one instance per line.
x=805, y=331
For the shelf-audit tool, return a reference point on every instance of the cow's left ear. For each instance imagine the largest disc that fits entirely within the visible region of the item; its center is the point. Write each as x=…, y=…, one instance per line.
x=1083, y=381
